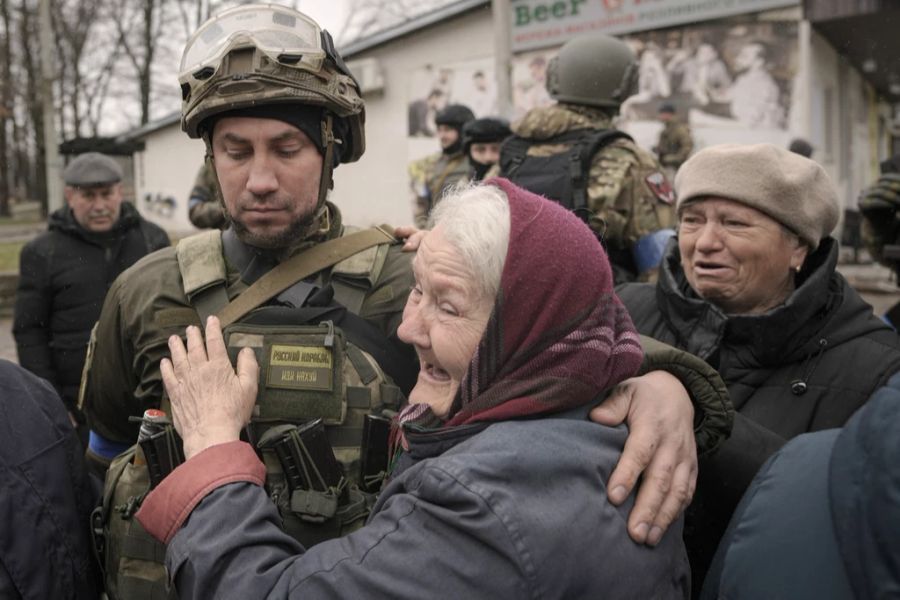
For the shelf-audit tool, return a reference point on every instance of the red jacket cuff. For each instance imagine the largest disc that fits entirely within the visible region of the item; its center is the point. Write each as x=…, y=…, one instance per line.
x=165, y=509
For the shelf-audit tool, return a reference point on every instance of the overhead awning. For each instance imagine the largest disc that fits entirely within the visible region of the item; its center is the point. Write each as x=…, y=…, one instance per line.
x=867, y=34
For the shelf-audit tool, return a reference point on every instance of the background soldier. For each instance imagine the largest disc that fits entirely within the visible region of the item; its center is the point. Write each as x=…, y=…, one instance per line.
x=571, y=153
x=675, y=142
x=801, y=147
x=879, y=205
x=204, y=207
x=481, y=144
x=64, y=273
x=449, y=166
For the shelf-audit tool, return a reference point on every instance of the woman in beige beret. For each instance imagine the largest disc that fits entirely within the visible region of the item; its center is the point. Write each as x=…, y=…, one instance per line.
x=750, y=286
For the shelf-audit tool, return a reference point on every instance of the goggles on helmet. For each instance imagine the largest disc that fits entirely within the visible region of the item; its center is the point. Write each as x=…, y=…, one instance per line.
x=287, y=37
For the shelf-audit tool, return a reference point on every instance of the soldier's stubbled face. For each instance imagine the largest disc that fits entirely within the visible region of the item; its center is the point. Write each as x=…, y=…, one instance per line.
x=269, y=174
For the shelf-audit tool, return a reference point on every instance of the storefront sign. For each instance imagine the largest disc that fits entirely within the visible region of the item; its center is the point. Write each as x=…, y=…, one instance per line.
x=541, y=23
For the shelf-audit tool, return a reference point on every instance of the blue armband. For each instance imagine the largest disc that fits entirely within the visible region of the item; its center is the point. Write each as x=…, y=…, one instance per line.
x=101, y=446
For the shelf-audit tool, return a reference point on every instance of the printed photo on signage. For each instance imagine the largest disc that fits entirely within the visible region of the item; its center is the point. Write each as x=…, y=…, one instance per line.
x=435, y=86
x=529, y=81
x=718, y=73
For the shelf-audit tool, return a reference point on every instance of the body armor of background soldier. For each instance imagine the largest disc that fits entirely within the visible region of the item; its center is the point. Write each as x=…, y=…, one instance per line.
x=446, y=168
x=204, y=206
x=337, y=358
x=629, y=200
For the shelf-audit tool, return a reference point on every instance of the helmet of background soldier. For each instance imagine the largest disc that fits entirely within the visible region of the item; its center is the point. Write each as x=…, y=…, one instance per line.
x=485, y=131
x=593, y=70
x=454, y=115
x=259, y=55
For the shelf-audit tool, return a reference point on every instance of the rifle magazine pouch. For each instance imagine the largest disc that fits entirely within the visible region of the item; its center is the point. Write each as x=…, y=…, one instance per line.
x=133, y=560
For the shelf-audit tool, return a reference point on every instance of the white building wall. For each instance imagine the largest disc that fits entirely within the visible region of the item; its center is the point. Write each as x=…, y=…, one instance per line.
x=376, y=189
x=831, y=106
x=164, y=174
x=842, y=106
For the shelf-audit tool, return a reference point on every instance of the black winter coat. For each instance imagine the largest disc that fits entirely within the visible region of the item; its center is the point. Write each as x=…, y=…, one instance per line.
x=47, y=496
x=806, y=365
x=64, y=275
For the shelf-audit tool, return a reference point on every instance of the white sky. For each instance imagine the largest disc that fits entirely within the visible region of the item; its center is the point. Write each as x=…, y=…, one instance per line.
x=329, y=14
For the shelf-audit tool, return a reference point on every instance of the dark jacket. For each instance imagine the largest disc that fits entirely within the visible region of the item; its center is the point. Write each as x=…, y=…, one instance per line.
x=806, y=365
x=64, y=275
x=46, y=498
x=820, y=519
x=512, y=510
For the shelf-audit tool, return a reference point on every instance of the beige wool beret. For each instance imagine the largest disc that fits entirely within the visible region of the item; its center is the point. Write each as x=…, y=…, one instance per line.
x=792, y=189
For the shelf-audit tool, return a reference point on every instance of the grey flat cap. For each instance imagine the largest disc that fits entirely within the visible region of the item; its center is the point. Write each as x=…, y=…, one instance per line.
x=90, y=169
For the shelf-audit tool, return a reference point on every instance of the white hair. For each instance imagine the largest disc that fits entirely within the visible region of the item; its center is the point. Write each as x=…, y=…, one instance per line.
x=475, y=220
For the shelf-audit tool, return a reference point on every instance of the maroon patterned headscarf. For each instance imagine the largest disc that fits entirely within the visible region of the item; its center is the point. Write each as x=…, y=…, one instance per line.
x=558, y=334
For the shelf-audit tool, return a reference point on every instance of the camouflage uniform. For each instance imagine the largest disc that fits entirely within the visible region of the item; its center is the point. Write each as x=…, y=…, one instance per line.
x=674, y=146
x=204, y=207
x=431, y=177
x=627, y=194
x=880, y=227
x=147, y=304
x=418, y=182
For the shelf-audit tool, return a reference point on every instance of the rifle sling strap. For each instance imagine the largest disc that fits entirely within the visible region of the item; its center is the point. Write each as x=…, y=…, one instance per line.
x=301, y=266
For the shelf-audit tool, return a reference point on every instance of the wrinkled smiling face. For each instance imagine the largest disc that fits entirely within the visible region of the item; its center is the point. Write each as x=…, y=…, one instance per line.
x=96, y=208
x=269, y=174
x=737, y=257
x=444, y=318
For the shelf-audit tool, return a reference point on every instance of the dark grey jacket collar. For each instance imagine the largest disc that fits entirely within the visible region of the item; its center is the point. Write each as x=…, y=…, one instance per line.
x=787, y=332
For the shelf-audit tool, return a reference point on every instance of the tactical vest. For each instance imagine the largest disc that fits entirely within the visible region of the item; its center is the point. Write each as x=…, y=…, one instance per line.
x=322, y=378
x=562, y=176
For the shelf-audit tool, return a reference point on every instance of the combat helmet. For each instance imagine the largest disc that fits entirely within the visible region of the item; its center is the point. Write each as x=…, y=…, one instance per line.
x=485, y=130
x=263, y=54
x=454, y=115
x=594, y=70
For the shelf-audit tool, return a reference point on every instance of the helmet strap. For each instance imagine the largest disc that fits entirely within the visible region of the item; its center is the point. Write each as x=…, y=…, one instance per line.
x=211, y=165
x=325, y=181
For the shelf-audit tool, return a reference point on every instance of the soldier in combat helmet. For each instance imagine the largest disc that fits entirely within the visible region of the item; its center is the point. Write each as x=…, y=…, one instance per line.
x=570, y=152
x=319, y=302
x=442, y=170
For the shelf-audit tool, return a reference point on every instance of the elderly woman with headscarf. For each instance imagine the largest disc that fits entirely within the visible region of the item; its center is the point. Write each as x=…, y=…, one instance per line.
x=750, y=286
x=497, y=488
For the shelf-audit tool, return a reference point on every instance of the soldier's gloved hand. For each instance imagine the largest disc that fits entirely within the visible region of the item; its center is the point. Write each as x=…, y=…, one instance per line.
x=211, y=402
x=413, y=236
x=660, y=444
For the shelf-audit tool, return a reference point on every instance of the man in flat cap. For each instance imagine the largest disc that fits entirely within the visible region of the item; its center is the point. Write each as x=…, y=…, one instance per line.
x=65, y=272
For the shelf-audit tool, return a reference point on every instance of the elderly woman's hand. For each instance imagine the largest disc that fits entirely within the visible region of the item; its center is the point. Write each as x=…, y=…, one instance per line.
x=211, y=402
x=660, y=418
